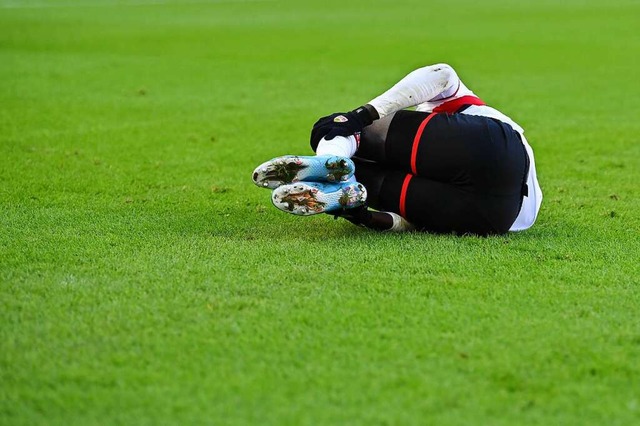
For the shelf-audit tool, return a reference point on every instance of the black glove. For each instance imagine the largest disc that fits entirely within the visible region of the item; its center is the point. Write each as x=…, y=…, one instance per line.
x=342, y=124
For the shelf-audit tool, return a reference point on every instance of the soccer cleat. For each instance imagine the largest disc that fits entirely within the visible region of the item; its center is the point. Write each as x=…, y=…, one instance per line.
x=292, y=168
x=309, y=198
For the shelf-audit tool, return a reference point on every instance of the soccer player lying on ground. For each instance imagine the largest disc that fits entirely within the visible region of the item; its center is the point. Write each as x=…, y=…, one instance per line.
x=454, y=165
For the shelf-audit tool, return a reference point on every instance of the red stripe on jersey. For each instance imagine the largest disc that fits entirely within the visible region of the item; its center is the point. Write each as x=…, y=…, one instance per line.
x=416, y=142
x=455, y=104
x=403, y=196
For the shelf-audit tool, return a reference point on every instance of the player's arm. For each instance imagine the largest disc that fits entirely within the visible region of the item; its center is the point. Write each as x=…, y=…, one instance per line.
x=422, y=85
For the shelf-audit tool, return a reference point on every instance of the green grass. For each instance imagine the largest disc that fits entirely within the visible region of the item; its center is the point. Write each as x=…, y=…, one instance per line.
x=144, y=280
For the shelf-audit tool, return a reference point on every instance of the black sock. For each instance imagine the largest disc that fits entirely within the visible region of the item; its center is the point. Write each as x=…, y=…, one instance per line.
x=362, y=216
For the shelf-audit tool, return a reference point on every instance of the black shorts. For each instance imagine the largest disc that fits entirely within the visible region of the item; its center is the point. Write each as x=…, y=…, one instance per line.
x=450, y=172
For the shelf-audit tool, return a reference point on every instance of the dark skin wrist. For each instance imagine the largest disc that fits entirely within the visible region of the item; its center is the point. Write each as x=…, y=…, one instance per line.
x=372, y=112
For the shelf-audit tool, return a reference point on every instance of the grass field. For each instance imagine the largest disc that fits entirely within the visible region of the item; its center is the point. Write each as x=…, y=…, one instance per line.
x=145, y=280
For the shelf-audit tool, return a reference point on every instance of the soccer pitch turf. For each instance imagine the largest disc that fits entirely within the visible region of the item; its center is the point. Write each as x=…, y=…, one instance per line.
x=145, y=280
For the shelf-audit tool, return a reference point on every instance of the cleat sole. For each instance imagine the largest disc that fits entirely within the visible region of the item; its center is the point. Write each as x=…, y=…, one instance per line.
x=307, y=198
x=290, y=169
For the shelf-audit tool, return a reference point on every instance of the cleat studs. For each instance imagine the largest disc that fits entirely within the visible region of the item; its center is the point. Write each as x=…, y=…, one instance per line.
x=265, y=184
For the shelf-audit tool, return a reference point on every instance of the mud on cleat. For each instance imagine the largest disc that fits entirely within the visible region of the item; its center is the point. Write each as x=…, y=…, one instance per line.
x=292, y=168
x=309, y=198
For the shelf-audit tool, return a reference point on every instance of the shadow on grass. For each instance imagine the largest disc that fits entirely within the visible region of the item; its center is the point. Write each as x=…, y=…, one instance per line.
x=251, y=220
x=259, y=223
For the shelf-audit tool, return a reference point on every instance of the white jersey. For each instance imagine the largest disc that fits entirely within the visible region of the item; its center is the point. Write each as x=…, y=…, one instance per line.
x=433, y=89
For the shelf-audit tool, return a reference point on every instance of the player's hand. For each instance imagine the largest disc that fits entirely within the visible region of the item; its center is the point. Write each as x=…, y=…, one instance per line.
x=340, y=124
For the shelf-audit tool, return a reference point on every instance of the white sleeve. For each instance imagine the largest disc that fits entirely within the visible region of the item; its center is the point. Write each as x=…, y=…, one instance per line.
x=419, y=86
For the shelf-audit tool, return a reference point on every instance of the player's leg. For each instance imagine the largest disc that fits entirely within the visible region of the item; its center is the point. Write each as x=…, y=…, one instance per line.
x=468, y=171
x=400, y=141
x=373, y=140
x=435, y=206
x=447, y=158
x=375, y=171
x=441, y=147
x=478, y=154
